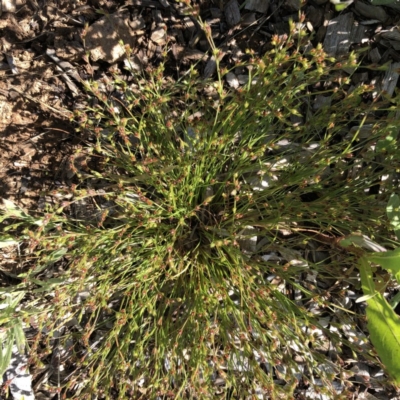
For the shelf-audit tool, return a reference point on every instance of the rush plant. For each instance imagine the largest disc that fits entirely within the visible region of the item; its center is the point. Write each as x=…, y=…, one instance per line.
x=187, y=277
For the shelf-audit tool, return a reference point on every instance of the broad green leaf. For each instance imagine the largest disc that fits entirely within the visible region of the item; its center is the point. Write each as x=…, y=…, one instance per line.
x=6, y=352
x=15, y=298
x=383, y=323
x=393, y=213
x=12, y=299
x=5, y=319
x=19, y=337
x=382, y=144
x=390, y=260
x=7, y=307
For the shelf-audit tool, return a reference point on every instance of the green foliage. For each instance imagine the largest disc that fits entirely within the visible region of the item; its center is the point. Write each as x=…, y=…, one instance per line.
x=393, y=212
x=160, y=277
x=11, y=328
x=383, y=322
x=389, y=260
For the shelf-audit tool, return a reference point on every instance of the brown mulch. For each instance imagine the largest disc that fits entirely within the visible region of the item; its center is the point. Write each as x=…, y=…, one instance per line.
x=37, y=91
x=36, y=135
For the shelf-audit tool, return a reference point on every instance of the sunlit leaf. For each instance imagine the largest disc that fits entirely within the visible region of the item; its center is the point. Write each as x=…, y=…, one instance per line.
x=393, y=213
x=19, y=337
x=389, y=260
x=6, y=351
x=383, y=323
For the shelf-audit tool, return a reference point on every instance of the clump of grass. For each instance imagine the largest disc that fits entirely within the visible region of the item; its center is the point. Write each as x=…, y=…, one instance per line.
x=170, y=295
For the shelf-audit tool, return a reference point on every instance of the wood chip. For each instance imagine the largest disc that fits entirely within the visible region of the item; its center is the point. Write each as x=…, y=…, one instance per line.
x=337, y=38
x=193, y=55
x=247, y=239
x=395, y=44
x=145, y=3
x=232, y=13
x=181, y=53
x=370, y=22
x=375, y=56
x=249, y=19
x=296, y=120
x=243, y=79
x=360, y=77
x=10, y=6
x=357, y=34
x=10, y=60
x=215, y=13
x=236, y=52
x=103, y=38
x=260, y=6
x=157, y=16
x=64, y=65
x=361, y=372
x=321, y=102
x=232, y=80
x=389, y=81
x=370, y=11
x=189, y=24
x=210, y=67
x=151, y=50
x=315, y=16
x=178, y=51
x=159, y=35
x=367, y=396
x=133, y=64
x=391, y=35
x=71, y=85
x=293, y=5
x=137, y=23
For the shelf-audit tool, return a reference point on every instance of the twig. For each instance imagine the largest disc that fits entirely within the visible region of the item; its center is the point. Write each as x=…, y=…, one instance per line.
x=63, y=113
